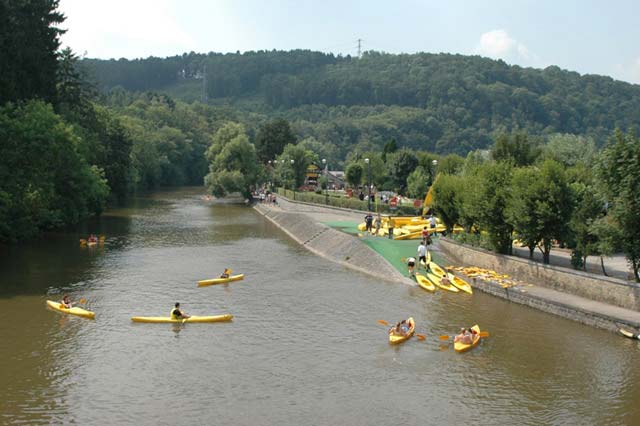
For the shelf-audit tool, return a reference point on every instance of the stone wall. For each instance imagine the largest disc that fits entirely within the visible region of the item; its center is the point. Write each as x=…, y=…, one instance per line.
x=590, y=286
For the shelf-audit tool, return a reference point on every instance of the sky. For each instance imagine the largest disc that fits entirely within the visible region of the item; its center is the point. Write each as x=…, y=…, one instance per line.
x=588, y=36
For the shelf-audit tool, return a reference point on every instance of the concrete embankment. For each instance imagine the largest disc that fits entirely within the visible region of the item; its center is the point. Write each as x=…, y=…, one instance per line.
x=331, y=244
x=587, y=298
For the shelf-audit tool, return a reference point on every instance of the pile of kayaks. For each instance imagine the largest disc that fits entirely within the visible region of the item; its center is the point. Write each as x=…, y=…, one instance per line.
x=433, y=278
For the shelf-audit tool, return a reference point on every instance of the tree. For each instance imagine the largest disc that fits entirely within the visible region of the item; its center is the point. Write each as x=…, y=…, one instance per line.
x=619, y=173
x=272, y=138
x=540, y=206
x=400, y=165
x=488, y=200
x=570, y=149
x=29, y=41
x=521, y=210
x=44, y=181
x=515, y=148
x=353, y=174
x=418, y=183
x=447, y=190
x=389, y=148
x=233, y=162
x=302, y=158
x=588, y=207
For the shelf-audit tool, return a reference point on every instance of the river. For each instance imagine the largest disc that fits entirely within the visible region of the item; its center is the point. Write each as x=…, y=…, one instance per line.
x=304, y=347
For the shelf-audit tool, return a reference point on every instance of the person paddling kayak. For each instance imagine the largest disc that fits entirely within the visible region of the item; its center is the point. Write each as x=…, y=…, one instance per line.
x=176, y=313
x=466, y=336
x=401, y=328
x=226, y=273
x=66, y=302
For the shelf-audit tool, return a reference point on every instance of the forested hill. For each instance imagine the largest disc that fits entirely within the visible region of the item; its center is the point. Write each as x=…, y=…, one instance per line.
x=438, y=102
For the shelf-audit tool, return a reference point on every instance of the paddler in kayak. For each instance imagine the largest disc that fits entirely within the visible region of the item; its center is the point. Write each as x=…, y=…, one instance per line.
x=92, y=239
x=466, y=336
x=66, y=302
x=226, y=273
x=176, y=313
x=401, y=328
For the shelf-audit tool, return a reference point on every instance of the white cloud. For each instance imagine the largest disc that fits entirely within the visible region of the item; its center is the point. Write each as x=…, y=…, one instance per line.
x=498, y=44
x=132, y=28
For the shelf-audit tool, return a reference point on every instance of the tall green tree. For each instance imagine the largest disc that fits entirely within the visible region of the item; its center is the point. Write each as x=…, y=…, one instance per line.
x=29, y=41
x=588, y=208
x=619, y=173
x=540, y=206
x=272, y=138
x=233, y=162
x=400, y=165
x=488, y=200
x=302, y=159
x=44, y=180
x=353, y=174
x=447, y=199
x=418, y=183
x=515, y=147
x=389, y=148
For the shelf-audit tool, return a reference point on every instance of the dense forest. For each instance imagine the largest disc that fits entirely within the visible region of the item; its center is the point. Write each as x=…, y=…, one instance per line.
x=437, y=102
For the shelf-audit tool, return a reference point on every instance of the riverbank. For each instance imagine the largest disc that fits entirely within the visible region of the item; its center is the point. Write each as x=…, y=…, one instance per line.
x=331, y=232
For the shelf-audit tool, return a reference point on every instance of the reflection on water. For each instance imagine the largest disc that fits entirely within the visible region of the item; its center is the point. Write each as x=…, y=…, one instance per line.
x=304, y=346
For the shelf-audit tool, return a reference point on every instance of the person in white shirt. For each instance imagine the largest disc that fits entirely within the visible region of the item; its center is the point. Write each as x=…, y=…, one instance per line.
x=422, y=253
x=411, y=263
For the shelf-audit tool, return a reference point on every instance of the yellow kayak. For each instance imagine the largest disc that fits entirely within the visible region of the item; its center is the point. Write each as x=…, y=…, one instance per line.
x=460, y=283
x=73, y=311
x=463, y=347
x=394, y=339
x=213, y=281
x=438, y=281
x=629, y=334
x=213, y=318
x=437, y=270
x=425, y=283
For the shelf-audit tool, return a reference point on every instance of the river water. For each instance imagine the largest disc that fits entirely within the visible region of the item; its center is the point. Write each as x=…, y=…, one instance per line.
x=304, y=346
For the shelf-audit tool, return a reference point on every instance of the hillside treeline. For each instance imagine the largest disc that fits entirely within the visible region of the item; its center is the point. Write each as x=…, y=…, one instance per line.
x=440, y=102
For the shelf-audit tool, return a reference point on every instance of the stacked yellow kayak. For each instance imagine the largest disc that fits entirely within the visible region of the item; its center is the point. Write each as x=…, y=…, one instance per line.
x=460, y=283
x=437, y=280
x=424, y=282
x=72, y=311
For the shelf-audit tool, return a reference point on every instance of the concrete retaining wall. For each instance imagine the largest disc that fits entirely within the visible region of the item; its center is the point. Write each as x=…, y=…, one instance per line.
x=594, y=287
x=575, y=313
x=332, y=244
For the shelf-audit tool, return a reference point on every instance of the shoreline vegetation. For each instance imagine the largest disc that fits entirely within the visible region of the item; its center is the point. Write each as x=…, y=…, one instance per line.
x=545, y=156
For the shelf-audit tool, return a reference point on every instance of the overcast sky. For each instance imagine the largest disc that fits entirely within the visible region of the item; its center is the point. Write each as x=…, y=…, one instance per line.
x=591, y=37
